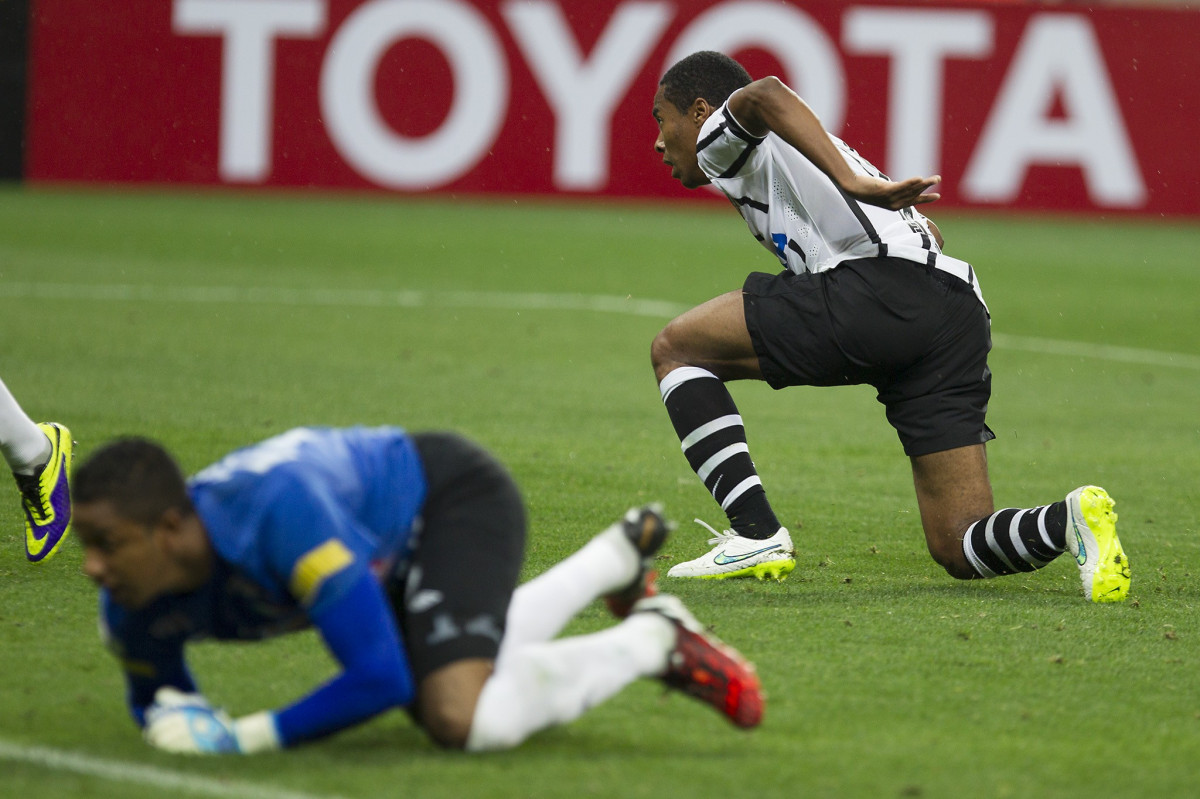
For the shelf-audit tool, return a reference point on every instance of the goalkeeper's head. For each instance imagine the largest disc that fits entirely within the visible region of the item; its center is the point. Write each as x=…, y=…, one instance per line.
x=139, y=530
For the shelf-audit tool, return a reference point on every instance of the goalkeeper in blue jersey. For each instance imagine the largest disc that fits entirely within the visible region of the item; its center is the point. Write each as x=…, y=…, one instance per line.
x=403, y=551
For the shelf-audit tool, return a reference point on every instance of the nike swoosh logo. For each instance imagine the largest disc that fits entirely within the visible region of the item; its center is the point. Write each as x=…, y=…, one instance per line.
x=722, y=559
x=38, y=536
x=35, y=543
x=1082, y=556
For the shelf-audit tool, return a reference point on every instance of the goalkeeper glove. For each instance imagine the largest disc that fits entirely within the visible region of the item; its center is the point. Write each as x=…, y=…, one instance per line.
x=188, y=724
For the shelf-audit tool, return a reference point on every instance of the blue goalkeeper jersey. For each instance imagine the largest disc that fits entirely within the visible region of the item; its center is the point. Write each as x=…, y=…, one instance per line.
x=305, y=527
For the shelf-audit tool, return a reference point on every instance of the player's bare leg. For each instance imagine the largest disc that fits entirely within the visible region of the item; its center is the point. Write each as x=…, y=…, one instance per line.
x=972, y=540
x=446, y=700
x=711, y=336
x=953, y=492
x=693, y=357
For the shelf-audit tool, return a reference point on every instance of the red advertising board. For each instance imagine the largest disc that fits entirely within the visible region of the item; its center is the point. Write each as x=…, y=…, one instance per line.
x=1015, y=105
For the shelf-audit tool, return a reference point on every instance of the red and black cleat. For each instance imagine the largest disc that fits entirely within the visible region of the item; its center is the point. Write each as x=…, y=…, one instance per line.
x=703, y=666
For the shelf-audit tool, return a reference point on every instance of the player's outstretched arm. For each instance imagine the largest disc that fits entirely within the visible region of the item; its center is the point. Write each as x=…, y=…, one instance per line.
x=768, y=105
x=359, y=630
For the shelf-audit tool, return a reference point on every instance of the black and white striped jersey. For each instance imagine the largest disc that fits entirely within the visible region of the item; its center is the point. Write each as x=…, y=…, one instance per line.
x=800, y=215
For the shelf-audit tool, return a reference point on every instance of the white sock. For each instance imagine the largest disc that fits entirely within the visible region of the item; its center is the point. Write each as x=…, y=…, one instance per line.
x=22, y=442
x=542, y=607
x=539, y=685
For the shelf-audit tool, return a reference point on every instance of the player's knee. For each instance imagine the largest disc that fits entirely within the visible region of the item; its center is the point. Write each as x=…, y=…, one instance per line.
x=662, y=349
x=670, y=350
x=948, y=553
x=448, y=724
x=447, y=698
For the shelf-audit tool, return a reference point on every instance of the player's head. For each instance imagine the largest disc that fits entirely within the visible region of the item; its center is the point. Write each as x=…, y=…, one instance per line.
x=708, y=74
x=688, y=93
x=136, y=475
x=129, y=502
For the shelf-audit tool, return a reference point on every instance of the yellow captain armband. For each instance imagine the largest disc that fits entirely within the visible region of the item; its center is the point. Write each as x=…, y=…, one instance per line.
x=316, y=566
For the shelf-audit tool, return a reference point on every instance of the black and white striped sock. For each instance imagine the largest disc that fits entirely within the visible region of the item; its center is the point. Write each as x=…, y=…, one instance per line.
x=1014, y=540
x=714, y=441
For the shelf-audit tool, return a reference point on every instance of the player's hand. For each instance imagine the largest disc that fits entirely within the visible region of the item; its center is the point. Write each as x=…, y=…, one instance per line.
x=188, y=724
x=891, y=194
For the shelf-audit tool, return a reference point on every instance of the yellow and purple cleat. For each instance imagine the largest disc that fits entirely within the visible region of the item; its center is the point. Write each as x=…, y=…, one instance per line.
x=46, y=497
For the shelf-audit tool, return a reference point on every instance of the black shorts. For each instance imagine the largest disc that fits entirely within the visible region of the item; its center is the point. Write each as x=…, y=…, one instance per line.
x=918, y=335
x=452, y=600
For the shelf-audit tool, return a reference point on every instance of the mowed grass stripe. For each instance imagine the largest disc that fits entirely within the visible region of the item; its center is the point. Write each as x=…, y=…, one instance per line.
x=517, y=301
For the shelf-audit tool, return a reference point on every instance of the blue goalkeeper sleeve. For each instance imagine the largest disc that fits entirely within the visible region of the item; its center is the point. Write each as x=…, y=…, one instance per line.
x=361, y=632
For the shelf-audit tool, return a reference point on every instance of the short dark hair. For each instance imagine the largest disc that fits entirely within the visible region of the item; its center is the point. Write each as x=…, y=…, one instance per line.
x=708, y=74
x=138, y=476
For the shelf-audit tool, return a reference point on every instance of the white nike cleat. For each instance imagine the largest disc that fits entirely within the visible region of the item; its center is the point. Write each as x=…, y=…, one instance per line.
x=1092, y=539
x=737, y=556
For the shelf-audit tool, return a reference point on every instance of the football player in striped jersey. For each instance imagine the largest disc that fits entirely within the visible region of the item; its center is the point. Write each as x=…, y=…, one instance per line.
x=864, y=295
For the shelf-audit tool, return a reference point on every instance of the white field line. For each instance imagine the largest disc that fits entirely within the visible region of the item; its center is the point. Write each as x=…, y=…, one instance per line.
x=153, y=776
x=515, y=301
x=1103, y=352
x=362, y=298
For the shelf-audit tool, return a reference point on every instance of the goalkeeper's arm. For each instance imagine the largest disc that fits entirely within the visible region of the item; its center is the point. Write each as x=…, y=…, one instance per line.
x=360, y=631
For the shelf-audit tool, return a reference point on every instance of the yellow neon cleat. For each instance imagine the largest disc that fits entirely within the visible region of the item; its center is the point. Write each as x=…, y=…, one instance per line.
x=1092, y=539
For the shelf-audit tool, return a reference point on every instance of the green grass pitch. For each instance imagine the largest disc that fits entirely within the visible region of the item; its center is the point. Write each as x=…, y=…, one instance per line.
x=212, y=320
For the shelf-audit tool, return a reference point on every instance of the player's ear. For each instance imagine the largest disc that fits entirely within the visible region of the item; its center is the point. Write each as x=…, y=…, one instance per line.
x=700, y=111
x=169, y=525
x=171, y=519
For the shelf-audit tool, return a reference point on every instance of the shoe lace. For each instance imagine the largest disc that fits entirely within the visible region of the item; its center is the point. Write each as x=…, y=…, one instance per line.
x=31, y=490
x=718, y=537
